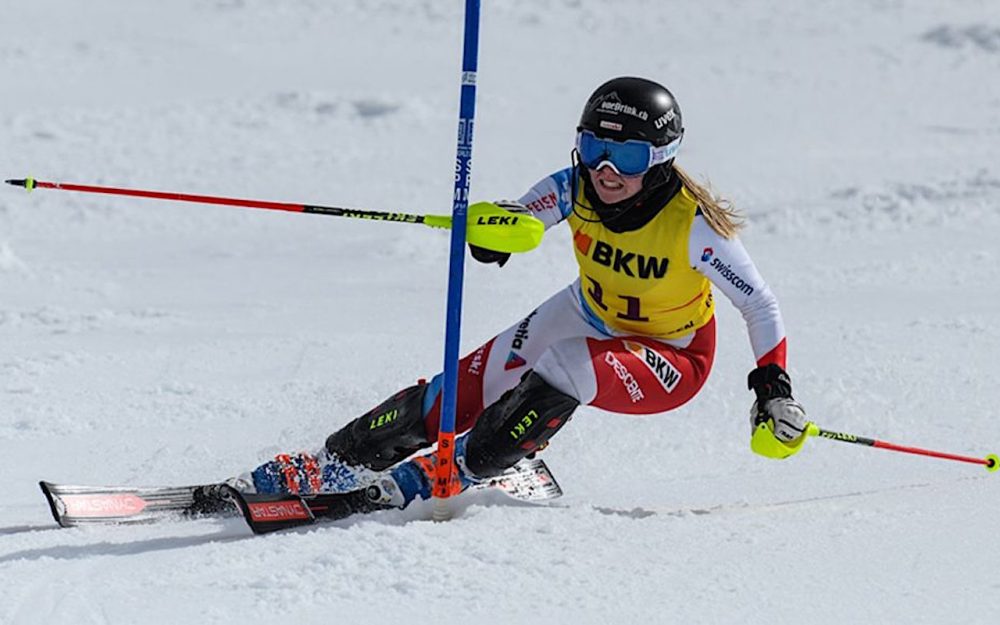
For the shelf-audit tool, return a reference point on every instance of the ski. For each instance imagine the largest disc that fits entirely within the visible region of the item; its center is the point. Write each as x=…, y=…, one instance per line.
x=529, y=480
x=72, y=506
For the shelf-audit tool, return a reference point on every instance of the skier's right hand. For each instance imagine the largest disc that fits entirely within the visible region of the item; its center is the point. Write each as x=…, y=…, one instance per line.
x=485, y=256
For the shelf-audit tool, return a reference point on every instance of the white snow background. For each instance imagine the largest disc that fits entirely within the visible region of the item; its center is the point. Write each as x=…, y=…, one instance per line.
x=148, y=343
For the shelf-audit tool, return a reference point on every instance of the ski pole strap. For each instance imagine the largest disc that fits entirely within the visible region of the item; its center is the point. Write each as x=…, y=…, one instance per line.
x=991, y=462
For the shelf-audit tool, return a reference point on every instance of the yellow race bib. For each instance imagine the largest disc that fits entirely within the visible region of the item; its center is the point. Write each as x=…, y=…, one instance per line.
x=642, y=282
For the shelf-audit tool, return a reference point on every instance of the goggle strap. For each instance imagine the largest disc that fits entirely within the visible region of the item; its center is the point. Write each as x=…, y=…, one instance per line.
x=664, y=153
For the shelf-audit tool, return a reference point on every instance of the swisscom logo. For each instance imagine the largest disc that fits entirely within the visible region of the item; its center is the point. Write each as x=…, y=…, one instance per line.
x=726, y=271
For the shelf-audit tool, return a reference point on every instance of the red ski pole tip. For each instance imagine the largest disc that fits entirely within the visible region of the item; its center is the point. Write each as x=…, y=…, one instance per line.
x=992, y=463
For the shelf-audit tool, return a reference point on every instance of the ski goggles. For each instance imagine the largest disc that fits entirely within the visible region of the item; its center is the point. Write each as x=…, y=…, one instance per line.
x=628, y=158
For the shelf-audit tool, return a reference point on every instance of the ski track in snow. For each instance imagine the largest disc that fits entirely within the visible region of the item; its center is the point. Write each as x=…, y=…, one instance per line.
x=150, y=343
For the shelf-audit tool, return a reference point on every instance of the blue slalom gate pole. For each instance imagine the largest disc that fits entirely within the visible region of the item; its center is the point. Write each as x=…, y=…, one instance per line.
x=445, y=469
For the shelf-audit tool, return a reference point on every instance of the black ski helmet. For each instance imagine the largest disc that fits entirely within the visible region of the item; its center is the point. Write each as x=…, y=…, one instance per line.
x=633, y=108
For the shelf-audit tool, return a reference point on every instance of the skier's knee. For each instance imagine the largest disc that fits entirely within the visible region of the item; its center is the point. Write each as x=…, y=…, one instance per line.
x=516, y=425
x=566, y=366
x=385, y=435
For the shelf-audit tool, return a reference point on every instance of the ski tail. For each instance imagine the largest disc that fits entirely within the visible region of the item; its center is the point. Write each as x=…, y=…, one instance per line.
x=528, y=480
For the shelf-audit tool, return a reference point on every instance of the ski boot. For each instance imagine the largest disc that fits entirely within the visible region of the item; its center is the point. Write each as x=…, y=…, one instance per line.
x=306, y=474
x=516, y=426
x=415, y=478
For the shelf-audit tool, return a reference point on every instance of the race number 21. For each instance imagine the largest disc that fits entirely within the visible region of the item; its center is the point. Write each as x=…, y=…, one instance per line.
x=632, y=306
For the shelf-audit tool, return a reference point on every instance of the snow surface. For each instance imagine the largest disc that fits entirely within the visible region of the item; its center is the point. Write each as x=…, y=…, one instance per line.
x=153, y=343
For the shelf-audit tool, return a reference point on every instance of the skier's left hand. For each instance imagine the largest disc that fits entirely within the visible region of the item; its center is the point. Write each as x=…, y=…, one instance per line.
x=778, y=422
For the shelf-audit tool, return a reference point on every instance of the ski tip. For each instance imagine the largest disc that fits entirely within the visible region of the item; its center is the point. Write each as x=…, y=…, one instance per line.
x=992, y=463
x=54, y=504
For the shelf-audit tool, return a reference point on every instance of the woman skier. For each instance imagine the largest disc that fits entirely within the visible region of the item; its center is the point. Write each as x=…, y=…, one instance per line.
x=634, y=334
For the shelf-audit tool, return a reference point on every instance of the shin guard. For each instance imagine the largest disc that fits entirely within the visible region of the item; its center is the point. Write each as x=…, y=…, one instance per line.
x=516, y=425
x=385, y=435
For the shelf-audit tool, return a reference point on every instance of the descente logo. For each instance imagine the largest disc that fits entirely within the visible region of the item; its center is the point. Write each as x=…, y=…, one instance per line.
x=628, y=380
x=731, y=276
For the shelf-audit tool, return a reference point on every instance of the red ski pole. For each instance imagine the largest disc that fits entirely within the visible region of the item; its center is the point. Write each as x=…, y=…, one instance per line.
x=30, y=184
x=991, y=462
x=488, y=225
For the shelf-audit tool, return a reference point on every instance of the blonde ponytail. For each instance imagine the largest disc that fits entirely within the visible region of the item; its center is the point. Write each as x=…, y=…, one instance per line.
x=719, y=212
